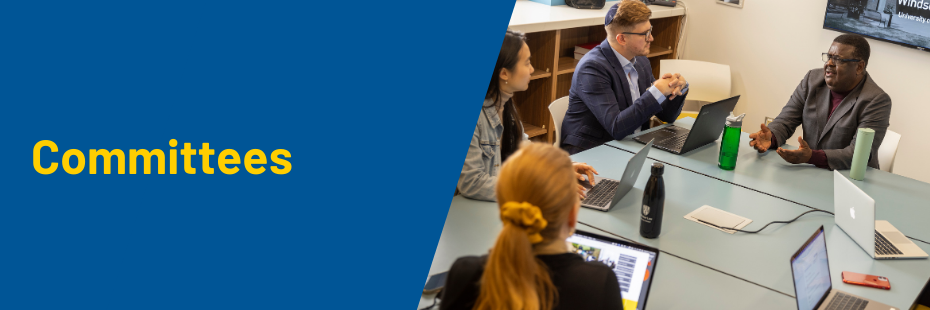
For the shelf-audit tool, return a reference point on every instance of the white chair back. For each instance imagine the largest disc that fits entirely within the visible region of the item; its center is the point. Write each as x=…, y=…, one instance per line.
x=888, y=150
x=707, y=81
x=558, y=108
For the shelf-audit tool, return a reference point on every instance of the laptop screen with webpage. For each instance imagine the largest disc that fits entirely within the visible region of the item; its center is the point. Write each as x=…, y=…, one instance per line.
x=811, y=271
x=633, y=264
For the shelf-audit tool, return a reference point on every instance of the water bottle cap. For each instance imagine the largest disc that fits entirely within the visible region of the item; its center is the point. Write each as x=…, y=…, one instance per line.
x=735, y=121
x=657, y=168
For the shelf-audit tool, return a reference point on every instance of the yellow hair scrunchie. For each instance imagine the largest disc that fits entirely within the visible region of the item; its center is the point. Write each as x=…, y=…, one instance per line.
x=527, y=216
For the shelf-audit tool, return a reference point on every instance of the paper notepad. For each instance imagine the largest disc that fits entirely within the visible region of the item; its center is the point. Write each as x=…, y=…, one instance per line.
x=718, y=217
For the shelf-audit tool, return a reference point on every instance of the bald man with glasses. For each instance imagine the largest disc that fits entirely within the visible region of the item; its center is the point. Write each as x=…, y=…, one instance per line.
x=831, y=103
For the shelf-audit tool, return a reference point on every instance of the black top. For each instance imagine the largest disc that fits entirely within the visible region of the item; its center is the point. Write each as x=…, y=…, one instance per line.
x=581, y=285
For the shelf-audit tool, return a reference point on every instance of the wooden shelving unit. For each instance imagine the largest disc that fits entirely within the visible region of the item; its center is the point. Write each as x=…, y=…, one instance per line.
x=539, y=75
x=553, y=58
x=532, y=130
x=658, y=51
x=567, y=65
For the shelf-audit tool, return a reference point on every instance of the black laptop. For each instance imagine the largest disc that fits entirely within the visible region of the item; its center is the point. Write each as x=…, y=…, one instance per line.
x=707, y=128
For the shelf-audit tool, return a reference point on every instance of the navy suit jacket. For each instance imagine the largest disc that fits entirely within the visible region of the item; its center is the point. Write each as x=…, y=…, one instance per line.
x=599, y=106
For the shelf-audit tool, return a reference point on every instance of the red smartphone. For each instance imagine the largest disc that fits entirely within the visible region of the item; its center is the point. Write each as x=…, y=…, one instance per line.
x=866, y=280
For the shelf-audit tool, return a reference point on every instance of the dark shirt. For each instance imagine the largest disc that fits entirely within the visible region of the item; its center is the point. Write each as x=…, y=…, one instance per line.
x=835, y=99
x=819, y=157
x=580, y=284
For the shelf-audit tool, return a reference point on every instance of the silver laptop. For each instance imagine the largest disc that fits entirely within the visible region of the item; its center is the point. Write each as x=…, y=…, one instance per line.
x=855, y=214
x=813, y=287
x=607, y=192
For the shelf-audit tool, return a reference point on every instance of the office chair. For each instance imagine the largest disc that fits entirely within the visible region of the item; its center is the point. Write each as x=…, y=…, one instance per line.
x=888, y=150
x=708, y=82
x=558, y=108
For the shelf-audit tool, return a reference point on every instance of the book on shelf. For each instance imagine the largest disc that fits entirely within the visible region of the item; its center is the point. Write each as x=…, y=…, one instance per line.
x=582, y=49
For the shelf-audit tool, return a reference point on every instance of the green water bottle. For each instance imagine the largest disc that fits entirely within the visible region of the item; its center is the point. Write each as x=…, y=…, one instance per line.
x=729, y=146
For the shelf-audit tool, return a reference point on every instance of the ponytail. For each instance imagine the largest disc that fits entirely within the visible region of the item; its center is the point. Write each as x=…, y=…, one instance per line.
x=536, y=194
x=514, y=278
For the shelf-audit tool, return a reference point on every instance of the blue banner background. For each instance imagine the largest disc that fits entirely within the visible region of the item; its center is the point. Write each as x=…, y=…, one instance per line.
x=376, y=103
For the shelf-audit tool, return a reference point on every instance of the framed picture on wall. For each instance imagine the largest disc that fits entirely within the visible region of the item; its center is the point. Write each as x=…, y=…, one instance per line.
x=734, y=3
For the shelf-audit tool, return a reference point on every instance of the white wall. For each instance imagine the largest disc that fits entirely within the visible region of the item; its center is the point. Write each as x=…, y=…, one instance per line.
x=771, y=44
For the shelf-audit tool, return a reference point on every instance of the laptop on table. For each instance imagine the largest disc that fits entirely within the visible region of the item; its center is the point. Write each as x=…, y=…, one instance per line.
x=813, y=287
x=707, y=128
x=634, y=264
x=605, y=193
x=855, y=214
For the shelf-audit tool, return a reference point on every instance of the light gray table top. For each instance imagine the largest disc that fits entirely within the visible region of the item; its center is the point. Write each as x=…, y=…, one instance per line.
x=472, y=226
x=761, y=258
x=907, y=276
x=899, y=200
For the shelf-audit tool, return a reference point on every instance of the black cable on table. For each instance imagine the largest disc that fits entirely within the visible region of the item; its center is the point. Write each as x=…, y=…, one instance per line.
x=725, y=181
x=435, y=299
x=766, y=225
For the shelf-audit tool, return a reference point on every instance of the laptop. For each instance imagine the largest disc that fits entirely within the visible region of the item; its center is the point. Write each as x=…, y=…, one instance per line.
x=707, y=128
x=634, y=264
x=605, y=193
x=855, y=215
x=810, y=269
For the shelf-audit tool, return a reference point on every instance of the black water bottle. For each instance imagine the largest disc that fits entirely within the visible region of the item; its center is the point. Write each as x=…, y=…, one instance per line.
x=650, y=224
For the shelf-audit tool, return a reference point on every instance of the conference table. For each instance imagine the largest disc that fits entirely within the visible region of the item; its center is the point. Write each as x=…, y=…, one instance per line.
x=762, y=258
x=900, y=200
x=701, y=267
x=471, y=228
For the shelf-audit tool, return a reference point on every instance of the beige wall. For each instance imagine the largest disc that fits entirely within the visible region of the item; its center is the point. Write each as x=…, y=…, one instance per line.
x=771, y=44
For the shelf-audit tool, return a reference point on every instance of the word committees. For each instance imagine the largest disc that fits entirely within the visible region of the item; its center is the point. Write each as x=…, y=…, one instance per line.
x=252, y=161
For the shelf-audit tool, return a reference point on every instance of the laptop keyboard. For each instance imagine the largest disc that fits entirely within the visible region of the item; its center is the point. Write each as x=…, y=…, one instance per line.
x=671, y=138
x=675, y=142
x=847, y=302
x=601, y=194
x=883, y=247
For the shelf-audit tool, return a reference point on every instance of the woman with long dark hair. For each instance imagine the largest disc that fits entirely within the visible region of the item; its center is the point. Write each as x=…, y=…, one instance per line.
x=499, y=130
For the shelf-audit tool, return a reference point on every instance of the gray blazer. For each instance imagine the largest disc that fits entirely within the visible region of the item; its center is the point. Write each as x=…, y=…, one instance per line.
x=867, y=106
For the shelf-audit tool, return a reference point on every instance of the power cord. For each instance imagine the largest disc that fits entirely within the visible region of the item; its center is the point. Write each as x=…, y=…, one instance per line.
x=766, y=225
x=435, y=299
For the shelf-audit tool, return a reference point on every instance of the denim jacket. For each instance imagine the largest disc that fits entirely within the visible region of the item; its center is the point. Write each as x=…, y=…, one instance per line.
x=483, y=160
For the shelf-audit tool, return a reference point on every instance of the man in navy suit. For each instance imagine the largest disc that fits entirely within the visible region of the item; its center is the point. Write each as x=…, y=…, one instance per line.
x=614, y=93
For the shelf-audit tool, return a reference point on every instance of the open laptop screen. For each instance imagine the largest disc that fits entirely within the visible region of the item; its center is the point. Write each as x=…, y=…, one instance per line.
x=811, y=272
x=633, y=264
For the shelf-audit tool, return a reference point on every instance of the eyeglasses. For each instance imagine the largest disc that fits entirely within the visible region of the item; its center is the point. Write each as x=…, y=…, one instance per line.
x=645, y=34
x=837, y=60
